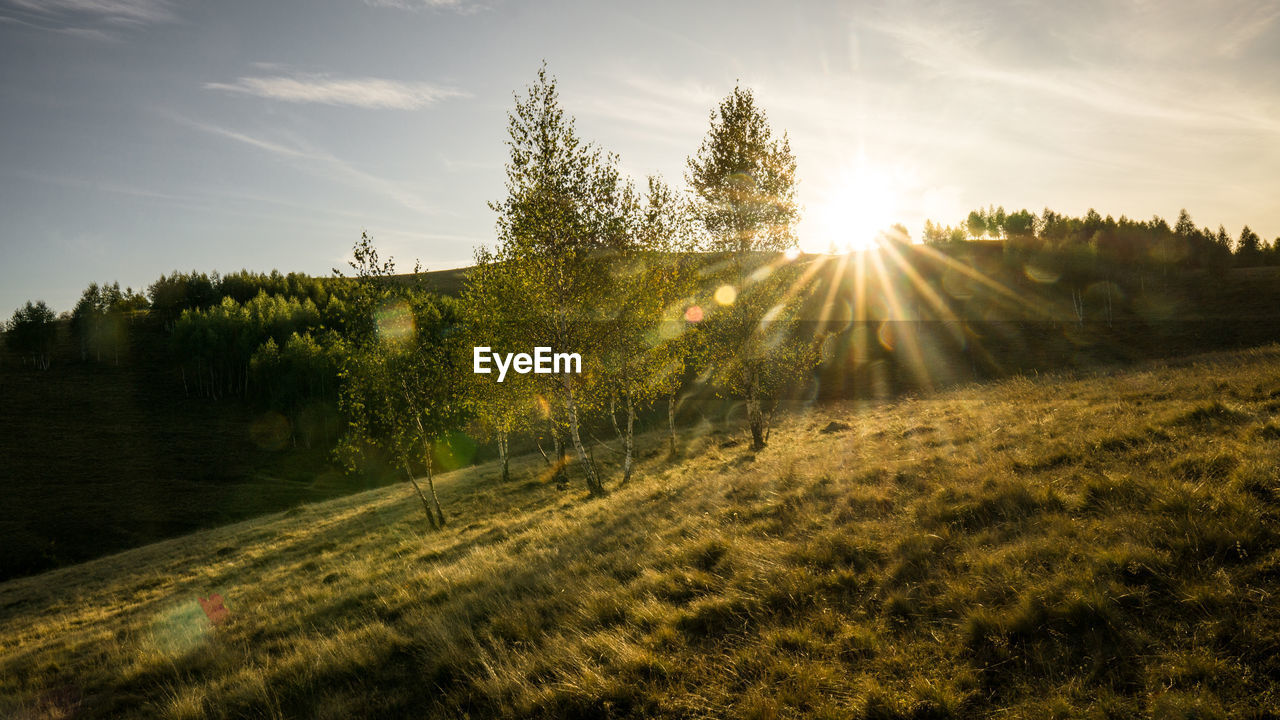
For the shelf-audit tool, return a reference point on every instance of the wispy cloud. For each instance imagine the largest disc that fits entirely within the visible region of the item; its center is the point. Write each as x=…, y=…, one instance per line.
x=1132, y=86
x=81, y=12
x=464, y=7
x=325, y=163
x=364, y=92
x=661, y=109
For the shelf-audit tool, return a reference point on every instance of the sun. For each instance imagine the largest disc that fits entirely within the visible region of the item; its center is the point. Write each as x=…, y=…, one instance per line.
x=861, y=201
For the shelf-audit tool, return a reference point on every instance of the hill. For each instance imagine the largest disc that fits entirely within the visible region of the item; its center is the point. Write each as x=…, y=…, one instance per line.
x=99, y=455
x=1082, y=545
x=96, y=457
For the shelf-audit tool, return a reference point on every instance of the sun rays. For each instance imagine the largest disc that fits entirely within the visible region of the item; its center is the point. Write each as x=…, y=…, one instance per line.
x=891, y=298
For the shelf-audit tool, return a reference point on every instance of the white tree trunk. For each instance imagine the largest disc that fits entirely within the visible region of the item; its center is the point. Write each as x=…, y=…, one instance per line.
x=594, y=485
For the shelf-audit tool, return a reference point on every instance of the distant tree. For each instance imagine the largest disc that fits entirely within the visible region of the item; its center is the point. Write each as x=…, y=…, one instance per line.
x=976, y=223
x=1020, y=230
x=216, y=345
x=171, y=294
x=1249, y=250
x=99, y=319
x=1163, y=243
x=31, y=333
x=1093, y=222
x=743, y=183
x=1021, y=224
x=1054, y=227
x=934, y=234
x=996, y=221
x=1223, y=240
x=300, y=379
x=1184, y=227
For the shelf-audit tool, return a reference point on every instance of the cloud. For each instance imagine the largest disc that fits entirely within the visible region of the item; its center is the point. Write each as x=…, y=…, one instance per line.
x=462, y=7
x=325, y=164
x=1132, y=81
x=660, y=109
x=374, y=93
x=111, y=12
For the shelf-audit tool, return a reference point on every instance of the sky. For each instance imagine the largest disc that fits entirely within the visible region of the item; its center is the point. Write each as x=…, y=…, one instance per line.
x=142, y=136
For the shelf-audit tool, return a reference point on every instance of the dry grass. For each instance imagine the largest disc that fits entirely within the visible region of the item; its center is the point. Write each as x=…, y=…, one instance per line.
x=1101, y=546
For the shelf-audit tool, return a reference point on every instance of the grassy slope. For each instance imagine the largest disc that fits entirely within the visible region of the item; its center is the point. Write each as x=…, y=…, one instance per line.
x=1102, y=546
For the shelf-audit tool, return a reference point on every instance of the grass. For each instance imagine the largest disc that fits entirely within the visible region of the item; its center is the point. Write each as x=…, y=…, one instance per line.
x=1096, y=545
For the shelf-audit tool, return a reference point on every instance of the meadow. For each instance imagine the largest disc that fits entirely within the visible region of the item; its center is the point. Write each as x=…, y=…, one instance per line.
x=1101, y=543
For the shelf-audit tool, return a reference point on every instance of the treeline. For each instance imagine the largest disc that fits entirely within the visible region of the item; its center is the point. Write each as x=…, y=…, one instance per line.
x=1117, y=244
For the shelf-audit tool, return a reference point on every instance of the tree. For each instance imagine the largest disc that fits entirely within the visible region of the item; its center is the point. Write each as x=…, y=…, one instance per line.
x=976, y=223
x=996, y=221
x=1185, y=227
x=500, y=409
x=743, y=182
x=1021, y=224
x=1249, y=248
x=402, y=390
x=549, y=281
x=99, y=318
x=646, y=359
x=1223, y=240
x=31, y=332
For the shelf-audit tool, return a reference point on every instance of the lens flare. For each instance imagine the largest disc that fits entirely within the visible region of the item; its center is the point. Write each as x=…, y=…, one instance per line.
x=270, y=431
x=394, y=322
x=726, y=294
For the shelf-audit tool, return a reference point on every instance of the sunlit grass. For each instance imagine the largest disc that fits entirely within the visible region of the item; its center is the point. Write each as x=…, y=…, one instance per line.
x=1069, y=546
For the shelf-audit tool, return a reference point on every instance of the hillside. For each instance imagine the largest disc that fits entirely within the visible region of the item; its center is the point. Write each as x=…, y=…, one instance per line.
x=1094, y=545
x=97, y=457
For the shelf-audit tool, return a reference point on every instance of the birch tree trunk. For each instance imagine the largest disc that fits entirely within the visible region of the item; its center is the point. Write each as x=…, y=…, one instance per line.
x=431, y=485
x=755, y=418
x=418, y=488
x=671, y=422
x=628, y=441
x=593, y=481
x=504, y=457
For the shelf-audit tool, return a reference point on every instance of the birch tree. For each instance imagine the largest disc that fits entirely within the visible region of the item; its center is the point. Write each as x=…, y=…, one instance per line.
x=548, y=281
x=645, y=361
x=743, y=183
x=402, y=389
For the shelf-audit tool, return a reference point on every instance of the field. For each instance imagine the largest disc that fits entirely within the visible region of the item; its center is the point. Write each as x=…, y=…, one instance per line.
x=1091, y=545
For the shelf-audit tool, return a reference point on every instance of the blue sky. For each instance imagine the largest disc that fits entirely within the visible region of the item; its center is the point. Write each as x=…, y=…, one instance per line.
x=142, y=136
